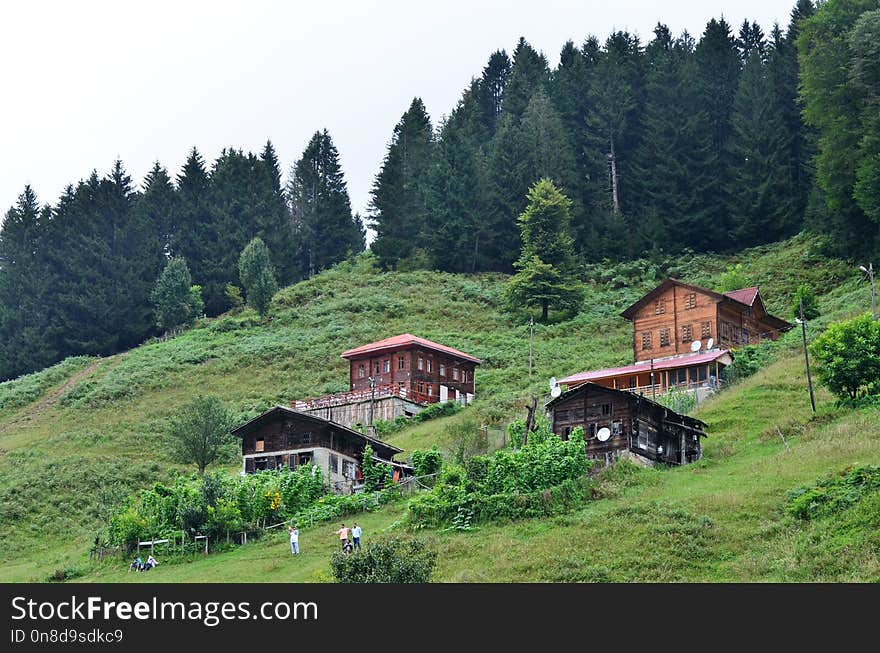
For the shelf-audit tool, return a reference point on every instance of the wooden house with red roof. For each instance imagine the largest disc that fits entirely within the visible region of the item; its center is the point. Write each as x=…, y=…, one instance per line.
x=397, y=376
x=684, y=335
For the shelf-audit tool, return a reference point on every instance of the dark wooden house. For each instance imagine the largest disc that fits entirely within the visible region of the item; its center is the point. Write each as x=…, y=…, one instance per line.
x=285, y=438
x=635, y=425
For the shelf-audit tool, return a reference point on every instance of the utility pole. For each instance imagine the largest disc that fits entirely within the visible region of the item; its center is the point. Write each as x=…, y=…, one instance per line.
x=531, y=335
x=806, y=354
x=372, y=399
x=870, y=271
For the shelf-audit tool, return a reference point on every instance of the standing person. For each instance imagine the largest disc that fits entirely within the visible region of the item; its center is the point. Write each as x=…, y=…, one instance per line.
x=294, y=540
x=343, y=536
x=356, y=535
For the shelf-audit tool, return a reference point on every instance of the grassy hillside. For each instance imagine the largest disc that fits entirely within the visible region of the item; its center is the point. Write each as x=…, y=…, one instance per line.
x=78, y=437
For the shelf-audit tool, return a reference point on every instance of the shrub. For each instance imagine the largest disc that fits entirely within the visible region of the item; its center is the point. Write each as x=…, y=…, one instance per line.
x=392, y=560
x=427, y=462
x=805, y=294
x=848, y=357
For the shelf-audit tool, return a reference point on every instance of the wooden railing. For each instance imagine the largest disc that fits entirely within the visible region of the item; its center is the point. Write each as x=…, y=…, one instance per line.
x=365, y=394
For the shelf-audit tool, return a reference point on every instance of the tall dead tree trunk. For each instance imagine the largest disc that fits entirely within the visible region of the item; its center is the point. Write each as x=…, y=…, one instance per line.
x=612, y=162
x=530, y=419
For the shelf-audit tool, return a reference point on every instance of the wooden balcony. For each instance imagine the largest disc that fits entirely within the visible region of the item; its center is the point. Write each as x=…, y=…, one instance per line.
x=355, y=396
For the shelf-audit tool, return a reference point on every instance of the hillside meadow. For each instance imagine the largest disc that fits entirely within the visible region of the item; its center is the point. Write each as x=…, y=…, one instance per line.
x=79, y=437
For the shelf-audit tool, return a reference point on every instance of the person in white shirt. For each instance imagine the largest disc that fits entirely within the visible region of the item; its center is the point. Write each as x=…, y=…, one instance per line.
x=356, y=535
x=294, y=540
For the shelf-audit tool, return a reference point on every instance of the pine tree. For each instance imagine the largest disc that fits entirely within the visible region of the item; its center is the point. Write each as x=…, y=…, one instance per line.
x=177, y=302
x=491, y=89
x=676, y=152
x=272, y=218
x=762, y=197
x=718, y=68
x=545, y=274
x=157, y=208
x=457, y=235
x=529, y=74
x=257, y=275
x=25, y=280
x=325, y=230
x=398, y=204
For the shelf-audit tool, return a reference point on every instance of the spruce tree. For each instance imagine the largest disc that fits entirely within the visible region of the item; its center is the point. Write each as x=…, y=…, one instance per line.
x=491, y=89
x=529, y=74
x=325, y=230
x=257, y=276
x=398, y=203
x=177, y=302
x=545, y=267
x=25, y=281
x=762, y=196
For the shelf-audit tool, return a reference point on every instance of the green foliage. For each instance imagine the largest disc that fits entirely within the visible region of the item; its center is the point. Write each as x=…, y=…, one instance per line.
x=748, y=360
x=26, y=389
x=374, y=472
x=176, y=300
x=233, y=297
x=427, y=462
x=806, y=295
x=545, y=268
x=390, y=560
x=528, y=481
x=848, y=357
x=466, y=438
x=257, y=275
x=733, y=278
x=679, y=400
x=199, y=431
x=831, y=495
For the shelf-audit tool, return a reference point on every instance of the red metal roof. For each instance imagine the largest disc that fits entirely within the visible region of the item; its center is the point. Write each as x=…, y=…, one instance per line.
x=405, y=340
x=645, y=366
x=743, y=295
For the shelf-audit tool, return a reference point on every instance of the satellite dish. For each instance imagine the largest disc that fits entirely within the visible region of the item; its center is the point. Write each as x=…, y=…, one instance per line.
x=709, y=343
x=695, y=345
x=556, y=391
x=552, y=382
x=603, y=434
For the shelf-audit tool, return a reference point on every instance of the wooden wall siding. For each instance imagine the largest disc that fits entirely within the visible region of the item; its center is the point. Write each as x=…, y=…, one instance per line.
x=411, y=375
x=643, y=427
x=674, y=316
x=284, y=434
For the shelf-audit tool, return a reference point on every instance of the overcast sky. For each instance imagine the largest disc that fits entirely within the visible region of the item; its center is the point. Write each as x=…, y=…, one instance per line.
x=86, y=82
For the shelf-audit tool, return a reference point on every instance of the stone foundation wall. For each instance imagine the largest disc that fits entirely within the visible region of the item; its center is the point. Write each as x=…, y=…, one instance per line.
x=387, y=408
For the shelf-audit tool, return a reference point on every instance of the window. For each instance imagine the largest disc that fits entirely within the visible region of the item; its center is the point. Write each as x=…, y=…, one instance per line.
x=606, y=410
x=348, y=469
x=591, y=431
x=442, y=370
x=421, y=363
x=690, y=300
x=698, y=373
x=646, y=339
x=566, y=431
x=260, y=445
x=307, y=438
x=401, y=363
x=725, y=331
x=377, y=368
x=660, y=307
x=680, y=376
x=305, y=458
x=334, y=463
x=664, y=337
x=430, y=365
x=615, y=428
x=420, y=386
x=706, y=330
x=455, y=374
x=687, y=333
x=430, y=389
x=386, y=366
x=362, y=372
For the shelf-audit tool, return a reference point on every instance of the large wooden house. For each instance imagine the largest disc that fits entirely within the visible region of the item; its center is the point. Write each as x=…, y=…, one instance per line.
x=617, y=423
x=397, y=376
x=684, y=336
x=284, y=438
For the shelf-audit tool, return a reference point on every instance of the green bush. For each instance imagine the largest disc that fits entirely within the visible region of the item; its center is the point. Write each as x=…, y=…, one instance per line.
x=427, y=462
x=834, y=494
x=848, y=357
x=392, y=560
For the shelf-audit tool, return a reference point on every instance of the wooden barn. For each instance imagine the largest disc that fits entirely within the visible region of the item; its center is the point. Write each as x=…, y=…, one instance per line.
x=285, y=438
x=618, y=422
